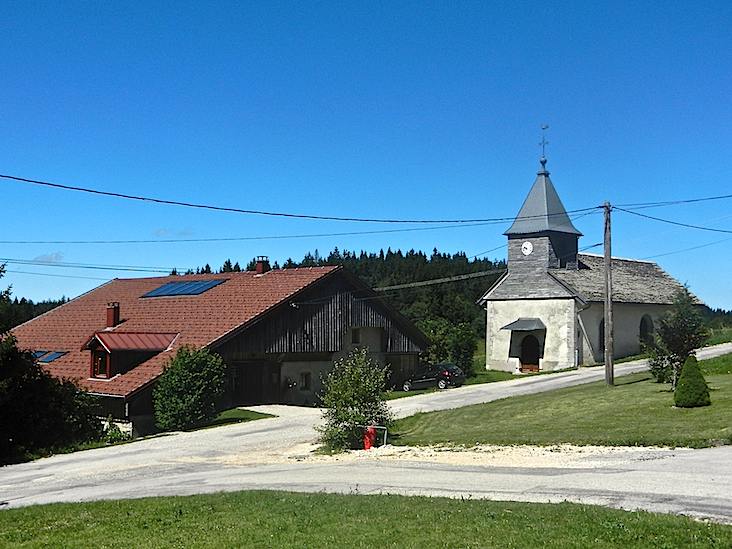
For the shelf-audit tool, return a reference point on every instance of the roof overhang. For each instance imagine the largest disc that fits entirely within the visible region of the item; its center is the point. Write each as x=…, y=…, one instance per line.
x=525, y=325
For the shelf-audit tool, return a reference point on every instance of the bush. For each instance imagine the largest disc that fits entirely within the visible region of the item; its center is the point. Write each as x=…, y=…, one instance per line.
x=40, y=414
x=353, y=395
x=453, y=344
x=113, y=434
x=691, y=390
x=185, y=395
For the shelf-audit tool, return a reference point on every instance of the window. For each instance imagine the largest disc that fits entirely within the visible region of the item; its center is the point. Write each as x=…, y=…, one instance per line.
x=646, y=330
x=305, y=381
x=355, y=336
x=52, y=356
x=100, y=364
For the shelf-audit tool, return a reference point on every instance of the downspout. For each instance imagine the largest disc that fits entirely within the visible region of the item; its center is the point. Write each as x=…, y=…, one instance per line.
x=583, y=334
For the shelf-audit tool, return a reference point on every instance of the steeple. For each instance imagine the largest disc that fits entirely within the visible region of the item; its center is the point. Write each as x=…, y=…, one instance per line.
x=542, y=235
x=542, y=211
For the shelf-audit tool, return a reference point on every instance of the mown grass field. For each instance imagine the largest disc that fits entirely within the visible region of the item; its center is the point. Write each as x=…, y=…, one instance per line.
x=636, y=411
x=282, y=520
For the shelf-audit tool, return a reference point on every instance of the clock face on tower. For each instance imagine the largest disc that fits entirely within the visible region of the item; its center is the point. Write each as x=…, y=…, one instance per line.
x=527, y=247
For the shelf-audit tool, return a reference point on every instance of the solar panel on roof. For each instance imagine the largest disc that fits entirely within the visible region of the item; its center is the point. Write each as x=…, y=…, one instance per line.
x=53, y=356
x=184, y=288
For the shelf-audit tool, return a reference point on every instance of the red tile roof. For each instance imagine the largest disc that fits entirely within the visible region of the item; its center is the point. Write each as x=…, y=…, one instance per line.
x=199, y=319
x=135, y=341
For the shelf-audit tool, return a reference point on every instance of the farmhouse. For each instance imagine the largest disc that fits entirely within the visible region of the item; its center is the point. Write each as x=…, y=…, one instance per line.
x=277, y=331
x=546, y=311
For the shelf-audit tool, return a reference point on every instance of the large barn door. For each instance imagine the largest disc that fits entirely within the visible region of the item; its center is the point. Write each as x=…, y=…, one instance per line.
x=249, y=382
x=530, y=354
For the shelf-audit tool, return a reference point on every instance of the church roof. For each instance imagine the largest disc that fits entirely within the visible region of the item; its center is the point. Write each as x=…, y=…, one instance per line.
x=542, y=210
x=634, y=281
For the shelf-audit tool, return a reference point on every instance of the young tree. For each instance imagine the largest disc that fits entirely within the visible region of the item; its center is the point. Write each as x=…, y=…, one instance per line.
x=692, y=389
x=185, y=395
x=680, y=332
x=450, y=343
x=353, y=395
x=39, y=413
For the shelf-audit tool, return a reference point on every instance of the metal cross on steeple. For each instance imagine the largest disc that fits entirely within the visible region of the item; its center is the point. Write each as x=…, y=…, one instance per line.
x=544, y=142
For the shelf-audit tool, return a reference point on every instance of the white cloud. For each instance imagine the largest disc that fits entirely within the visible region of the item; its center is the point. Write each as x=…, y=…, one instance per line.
x=55, y=257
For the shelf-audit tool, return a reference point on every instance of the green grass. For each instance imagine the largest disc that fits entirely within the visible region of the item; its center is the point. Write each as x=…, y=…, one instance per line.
x=714, y=366
x=281, y=520
x=234, y=415
x=637, y=411
x=719, y=335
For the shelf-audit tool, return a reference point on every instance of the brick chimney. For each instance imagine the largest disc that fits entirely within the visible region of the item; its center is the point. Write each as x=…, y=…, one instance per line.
x=262, y=264
x=112, y=314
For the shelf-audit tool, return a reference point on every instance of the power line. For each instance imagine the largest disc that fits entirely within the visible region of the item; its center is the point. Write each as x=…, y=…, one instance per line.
x=258, y=212
x=688, y=249
x=688, y=226
x=42, y=263
x=438, y=280
x=671, y=203
x=240, y=239
x=57, y=275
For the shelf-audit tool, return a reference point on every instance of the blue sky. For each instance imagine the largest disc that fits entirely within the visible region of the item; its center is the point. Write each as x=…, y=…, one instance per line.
x=381, y=110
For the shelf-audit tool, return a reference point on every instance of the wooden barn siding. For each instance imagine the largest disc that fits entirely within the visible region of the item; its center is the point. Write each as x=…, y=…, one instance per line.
x=320, y=320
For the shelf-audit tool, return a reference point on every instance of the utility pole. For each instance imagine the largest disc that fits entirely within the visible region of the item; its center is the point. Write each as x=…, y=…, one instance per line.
x=609, y=371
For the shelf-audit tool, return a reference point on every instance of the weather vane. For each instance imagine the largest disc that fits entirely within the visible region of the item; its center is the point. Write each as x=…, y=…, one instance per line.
x=544, y=142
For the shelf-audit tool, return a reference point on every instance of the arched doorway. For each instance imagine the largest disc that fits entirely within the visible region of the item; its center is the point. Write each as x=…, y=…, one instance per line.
x=530, y=354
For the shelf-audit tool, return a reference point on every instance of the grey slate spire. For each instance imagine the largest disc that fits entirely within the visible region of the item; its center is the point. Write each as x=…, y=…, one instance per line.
x=542, y=210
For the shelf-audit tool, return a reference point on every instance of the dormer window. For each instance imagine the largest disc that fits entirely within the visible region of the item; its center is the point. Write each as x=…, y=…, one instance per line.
x=115, y=353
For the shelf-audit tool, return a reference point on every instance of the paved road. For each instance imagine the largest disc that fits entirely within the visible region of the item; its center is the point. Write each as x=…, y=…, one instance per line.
x=267, y=454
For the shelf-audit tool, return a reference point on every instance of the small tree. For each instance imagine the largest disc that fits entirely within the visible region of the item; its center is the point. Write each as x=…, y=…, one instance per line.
x=692, y=389
x=353, y=395
x=185, y=395
x=450, y=343
x=680, y=332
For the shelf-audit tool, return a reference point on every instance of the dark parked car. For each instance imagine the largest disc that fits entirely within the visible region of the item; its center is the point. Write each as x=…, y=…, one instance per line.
x=436, y=375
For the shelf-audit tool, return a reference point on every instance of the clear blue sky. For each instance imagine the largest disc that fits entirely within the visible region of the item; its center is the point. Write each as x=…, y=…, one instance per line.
x=381, y=110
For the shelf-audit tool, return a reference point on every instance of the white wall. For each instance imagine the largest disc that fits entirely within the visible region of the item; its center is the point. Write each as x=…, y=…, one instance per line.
x=626, y=329
x=558, y=315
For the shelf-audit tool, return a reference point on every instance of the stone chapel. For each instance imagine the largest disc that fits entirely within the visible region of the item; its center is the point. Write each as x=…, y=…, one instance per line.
x=546, y=312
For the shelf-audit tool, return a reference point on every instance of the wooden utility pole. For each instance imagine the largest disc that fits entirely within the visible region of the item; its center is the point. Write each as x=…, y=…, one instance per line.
x=609, y=370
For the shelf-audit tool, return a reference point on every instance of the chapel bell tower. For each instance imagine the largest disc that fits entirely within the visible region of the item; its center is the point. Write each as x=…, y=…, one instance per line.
x=542, y=235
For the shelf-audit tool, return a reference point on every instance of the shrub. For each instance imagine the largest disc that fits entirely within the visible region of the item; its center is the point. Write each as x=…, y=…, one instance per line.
x=113, y=434
x=691, y=390
x=185, y=395
x=455, y=344
x=39, y=413
x=353, y=395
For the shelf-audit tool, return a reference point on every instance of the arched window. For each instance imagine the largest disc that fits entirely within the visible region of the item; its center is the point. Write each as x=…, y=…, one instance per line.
x=646, y=330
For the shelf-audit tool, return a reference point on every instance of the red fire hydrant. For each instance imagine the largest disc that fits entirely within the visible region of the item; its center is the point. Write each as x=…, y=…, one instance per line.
x=369, y=437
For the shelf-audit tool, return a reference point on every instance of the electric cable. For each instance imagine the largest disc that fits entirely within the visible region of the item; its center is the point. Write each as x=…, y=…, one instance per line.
x=258, y=212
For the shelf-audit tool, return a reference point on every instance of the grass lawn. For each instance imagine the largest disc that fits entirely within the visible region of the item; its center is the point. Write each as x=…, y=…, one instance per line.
x=235, y=415
x=286, y=520
x=637, y=411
